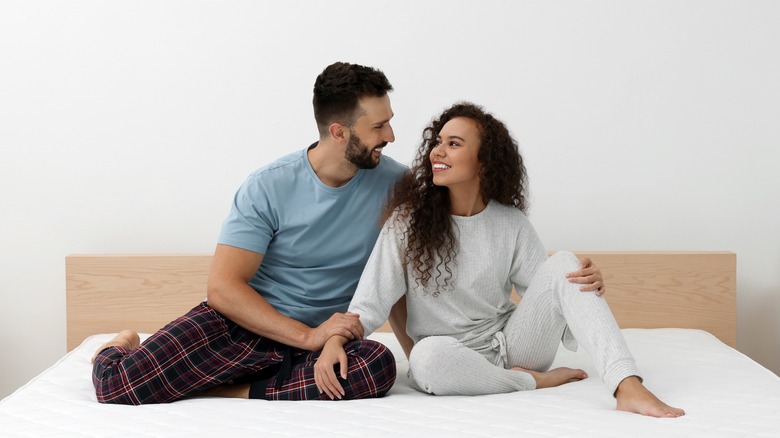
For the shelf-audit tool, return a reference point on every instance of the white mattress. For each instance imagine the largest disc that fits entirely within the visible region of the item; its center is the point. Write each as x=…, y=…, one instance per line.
x=724, y=393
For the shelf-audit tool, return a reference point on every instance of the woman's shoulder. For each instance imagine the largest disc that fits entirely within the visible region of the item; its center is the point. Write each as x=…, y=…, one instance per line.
x=506, y=212
x=516, y=226
x=397, y=221
x=399, y=214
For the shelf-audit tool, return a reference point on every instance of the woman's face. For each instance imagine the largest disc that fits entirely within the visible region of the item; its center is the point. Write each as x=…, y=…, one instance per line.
x=454, y=158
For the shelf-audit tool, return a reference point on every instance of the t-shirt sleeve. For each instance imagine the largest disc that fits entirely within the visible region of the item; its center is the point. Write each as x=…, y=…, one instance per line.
x=251, y=223
x=383, y=281
x=529, y=254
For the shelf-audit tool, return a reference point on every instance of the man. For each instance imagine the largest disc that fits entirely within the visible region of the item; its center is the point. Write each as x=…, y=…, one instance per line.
x=287, y=263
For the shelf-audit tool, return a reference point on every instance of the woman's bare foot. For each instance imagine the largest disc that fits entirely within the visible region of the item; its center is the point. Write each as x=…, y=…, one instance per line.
x=125, y=338
x=555, y=377
x=632, y=396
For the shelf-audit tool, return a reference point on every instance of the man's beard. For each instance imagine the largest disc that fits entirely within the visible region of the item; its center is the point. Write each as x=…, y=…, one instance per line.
x=360, y=155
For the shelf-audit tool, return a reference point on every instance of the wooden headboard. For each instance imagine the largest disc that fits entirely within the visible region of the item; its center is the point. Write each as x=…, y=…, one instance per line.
x=108, y=293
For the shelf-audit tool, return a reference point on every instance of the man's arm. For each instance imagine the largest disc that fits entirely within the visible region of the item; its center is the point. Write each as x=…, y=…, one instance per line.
x=229, y=293
x=589, y=275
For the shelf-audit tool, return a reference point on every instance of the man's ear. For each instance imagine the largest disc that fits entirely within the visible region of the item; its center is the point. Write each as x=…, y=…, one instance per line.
x=339, y=132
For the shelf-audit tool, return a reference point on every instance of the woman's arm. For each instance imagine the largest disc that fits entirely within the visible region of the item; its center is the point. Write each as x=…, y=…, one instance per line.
x=379, y=290
x=383, y=281
x=397, y=321
x=530, y=254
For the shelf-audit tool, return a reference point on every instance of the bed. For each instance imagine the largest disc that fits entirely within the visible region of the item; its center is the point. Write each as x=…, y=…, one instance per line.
x=677, y=311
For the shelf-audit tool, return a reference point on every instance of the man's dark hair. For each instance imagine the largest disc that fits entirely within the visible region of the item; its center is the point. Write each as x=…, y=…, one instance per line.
x=338, y=89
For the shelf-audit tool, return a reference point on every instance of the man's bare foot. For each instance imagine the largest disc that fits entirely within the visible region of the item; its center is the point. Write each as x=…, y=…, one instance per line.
x=125, y=338
x=632, y=396
x=555, y=377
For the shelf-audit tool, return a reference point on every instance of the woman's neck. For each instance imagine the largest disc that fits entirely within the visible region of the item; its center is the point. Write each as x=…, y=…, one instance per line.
x=466, y=203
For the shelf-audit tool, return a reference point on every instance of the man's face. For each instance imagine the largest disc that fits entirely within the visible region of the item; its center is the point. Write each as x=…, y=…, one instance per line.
x=370, y=133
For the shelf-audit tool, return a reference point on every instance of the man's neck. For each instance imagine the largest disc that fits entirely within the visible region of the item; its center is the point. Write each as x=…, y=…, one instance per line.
x=330, y=166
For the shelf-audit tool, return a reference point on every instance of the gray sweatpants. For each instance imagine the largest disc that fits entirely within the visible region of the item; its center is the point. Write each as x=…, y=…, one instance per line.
x=441, y=365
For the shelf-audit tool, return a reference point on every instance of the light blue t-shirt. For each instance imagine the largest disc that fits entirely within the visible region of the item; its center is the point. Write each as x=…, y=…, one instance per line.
x=315, y=239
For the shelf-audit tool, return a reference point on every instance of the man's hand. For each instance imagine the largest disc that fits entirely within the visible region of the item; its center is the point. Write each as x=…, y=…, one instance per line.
x=340, y=324
x=324, y=375
x=589, y=275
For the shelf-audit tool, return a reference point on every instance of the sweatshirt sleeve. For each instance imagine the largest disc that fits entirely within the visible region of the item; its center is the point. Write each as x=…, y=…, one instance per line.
x=529, y=254
x=383, y=281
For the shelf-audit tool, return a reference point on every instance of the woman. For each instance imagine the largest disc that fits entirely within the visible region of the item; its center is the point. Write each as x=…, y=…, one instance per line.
x=455, y=244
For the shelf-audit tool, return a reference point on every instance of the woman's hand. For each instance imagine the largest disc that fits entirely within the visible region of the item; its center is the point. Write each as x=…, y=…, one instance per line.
x=324, y=374
x=589, y=275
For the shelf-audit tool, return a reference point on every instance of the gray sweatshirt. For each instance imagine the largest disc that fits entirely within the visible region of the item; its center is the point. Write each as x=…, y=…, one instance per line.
x=497, y=249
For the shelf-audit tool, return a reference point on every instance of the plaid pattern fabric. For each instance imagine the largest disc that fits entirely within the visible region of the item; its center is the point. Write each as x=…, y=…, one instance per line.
x=203, y=349
x=371, y=373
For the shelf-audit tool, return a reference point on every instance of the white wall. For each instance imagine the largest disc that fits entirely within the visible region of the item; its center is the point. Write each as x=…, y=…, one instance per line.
x=126, y=126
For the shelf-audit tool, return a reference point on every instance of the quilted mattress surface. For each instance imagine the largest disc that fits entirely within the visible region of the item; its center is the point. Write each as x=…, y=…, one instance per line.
x=724, y=393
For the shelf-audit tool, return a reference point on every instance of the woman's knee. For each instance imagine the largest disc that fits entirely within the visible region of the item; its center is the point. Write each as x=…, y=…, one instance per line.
x=561, y=263
x=428, y=352
x=427, y=360
x=564, y=260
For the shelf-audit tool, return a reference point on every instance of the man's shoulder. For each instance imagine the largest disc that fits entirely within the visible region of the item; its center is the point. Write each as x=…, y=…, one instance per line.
x=280, y=167
x=390, y=167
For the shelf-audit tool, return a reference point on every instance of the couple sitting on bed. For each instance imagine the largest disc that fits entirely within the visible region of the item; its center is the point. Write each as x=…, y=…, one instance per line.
x=286, y=317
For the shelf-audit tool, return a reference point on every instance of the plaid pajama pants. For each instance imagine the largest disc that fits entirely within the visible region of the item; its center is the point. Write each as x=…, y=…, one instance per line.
x=203, y=349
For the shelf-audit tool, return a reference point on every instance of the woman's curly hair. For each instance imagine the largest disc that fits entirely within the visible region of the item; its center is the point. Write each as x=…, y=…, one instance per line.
x=429, y=234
